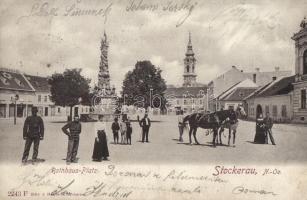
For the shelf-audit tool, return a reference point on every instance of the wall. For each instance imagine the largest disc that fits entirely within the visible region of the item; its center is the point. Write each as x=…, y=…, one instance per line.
x=187, y=104
x=271, y=101
x=300, y=115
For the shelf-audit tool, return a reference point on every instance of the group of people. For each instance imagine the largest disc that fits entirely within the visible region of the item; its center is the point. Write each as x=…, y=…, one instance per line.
x=33, y=132
x=264, y=129
x=125, y=129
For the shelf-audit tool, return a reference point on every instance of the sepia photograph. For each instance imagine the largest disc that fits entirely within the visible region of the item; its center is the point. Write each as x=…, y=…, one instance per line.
x=153, y=99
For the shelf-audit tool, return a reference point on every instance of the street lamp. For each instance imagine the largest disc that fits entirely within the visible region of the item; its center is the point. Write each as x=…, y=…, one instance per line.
x=14, y=100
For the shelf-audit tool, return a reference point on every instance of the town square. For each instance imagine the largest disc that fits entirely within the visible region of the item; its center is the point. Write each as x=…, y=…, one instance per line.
x=164, y=146
x=139, y=99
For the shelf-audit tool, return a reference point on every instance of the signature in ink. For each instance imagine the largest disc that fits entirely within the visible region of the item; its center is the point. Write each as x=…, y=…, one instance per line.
x=243, y=190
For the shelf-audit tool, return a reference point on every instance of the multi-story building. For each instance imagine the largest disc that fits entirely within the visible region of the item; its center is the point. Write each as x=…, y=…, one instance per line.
x=17, y=94
x=222, y=83
x=300, y=83
x=20, y=92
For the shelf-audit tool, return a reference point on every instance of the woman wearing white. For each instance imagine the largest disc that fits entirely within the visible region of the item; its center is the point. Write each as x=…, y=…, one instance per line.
x=101, y=146
x=123, y=130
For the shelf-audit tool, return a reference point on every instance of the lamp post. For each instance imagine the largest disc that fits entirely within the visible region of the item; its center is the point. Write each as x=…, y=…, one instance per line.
x=14, y=99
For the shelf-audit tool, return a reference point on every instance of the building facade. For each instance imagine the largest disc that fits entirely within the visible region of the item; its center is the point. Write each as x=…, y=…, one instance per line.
x=275, y=97
x=191, y=99
x=30, y=91
x=221, y=84
x=17, y=94
x=300, y=83
x=235, y=98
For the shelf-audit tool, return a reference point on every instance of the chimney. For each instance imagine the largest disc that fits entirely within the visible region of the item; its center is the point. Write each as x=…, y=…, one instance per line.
x=274, y=78
x=276, y=69
x=254, y=78
x=257, y=69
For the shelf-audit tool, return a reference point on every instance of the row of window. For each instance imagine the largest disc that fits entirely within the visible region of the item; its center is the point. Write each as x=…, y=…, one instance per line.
x=273, y=112
x=190, y=101
x=39, y=98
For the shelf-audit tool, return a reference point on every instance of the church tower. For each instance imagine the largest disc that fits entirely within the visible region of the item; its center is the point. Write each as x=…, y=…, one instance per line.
x=189, y=76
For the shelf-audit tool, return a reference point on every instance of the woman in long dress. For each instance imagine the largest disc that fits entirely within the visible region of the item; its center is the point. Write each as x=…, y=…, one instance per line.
x=101, y=151
x=260, y=130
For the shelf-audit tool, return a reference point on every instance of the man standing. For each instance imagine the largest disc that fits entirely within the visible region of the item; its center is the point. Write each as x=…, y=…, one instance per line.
x=33, y=132
x=268, y=121
x=181, y=125
x=72, y=130
x=145, y=124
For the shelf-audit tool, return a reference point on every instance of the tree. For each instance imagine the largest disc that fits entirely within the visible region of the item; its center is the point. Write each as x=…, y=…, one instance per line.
x=144, y=86
x=69, y=88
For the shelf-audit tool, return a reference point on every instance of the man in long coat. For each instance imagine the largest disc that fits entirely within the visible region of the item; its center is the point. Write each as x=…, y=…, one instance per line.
x=145, y=124
x=33, y=132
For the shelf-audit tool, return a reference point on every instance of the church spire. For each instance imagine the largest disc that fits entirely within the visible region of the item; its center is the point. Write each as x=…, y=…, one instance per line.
x=189, y=47
x=189, y=75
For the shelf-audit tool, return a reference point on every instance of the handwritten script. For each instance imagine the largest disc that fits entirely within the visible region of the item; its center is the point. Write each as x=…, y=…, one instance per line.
x=78, y=8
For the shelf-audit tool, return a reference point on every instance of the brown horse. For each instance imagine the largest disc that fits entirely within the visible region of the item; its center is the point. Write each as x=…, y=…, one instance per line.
x=211, y=121
x=231, y=124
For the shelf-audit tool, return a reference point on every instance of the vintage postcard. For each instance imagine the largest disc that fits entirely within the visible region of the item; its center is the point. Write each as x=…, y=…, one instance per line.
x=153, y=99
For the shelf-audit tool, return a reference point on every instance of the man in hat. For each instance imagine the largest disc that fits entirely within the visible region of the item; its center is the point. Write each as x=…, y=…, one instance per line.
x=33, y=132
x=268, y=121
x=145, y=124
x=72, y=130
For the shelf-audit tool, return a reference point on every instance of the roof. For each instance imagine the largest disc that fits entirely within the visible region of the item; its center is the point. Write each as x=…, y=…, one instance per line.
x=39, y=83
x=247, y=83
x=14, y=80
x=238, y=94
x=264, y=77
x=181, y=92
x=280, y=86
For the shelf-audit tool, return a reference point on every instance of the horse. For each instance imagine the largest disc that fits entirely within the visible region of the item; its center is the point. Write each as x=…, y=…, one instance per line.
x=231, y=124
x=211, y=121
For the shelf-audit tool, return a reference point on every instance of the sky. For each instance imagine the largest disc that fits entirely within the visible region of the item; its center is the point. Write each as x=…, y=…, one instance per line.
x=40, y=37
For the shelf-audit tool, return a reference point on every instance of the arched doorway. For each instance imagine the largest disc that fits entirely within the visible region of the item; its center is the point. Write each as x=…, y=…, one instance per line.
x=258, y=110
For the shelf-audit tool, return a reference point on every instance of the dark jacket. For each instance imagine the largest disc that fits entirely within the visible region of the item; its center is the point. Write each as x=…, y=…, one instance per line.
x=74, y=129
x=33, y=127
x=129, y=129
x=233, y=118
x=115, y=127
x=268, y=121
x=143, y=123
